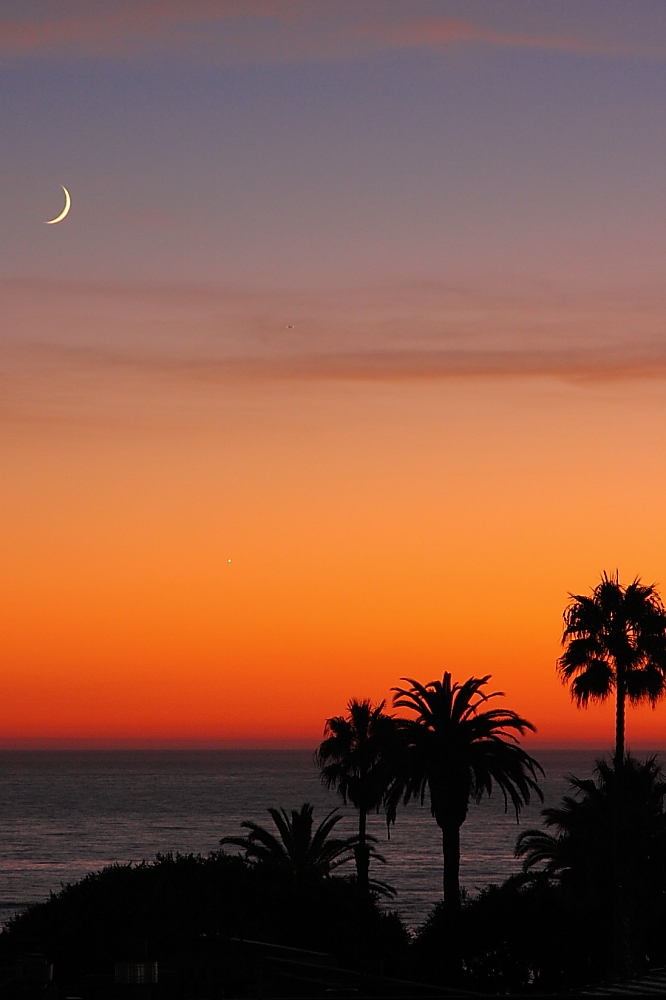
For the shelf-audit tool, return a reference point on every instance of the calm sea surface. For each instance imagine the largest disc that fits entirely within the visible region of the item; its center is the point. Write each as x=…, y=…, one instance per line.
x=68, y=813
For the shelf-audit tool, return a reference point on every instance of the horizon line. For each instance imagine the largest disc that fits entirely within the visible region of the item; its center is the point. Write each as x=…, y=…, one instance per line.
x=254, y=745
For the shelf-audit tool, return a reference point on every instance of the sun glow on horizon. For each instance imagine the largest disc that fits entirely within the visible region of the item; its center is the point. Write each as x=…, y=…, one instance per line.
x=382, y=530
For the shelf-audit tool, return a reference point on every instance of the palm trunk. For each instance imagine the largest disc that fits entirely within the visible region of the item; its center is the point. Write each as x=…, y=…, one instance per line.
x=361, y=852
x=622, y=958
x=619, y=717
x=452, y=940
x=451, y=851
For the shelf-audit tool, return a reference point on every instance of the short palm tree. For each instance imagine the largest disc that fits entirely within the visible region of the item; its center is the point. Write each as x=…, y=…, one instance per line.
x=608, y=851
x=356, y=758
x=298, y=850
x=615, y=641
x=457, y=752
x=580, y=852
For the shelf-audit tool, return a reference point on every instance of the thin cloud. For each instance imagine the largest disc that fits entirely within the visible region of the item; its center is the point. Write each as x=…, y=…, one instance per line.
x=443, y=32
x=362, y=366
x=205, y=336
x=129, y=27
x=252, y=30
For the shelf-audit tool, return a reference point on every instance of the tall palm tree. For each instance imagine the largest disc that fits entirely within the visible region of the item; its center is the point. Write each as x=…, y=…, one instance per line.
x=297, y=849
x=355, y=758
x=456, y=752
x=615, y=641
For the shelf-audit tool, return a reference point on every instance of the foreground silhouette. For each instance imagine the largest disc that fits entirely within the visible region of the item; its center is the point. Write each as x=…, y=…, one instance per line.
x=545, y=930
x=551, y=928
x=610, y=839
x=184, y=912
x=356, y=758
x=615, y=640
x=599, y=864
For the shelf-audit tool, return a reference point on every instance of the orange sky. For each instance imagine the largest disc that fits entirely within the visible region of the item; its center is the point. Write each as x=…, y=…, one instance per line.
x=377, y=527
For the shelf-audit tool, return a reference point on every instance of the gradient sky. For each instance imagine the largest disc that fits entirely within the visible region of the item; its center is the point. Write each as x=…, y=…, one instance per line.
x=366, y=297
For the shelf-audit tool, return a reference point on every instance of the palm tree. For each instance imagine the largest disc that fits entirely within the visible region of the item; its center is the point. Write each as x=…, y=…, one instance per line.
x=609, y=851
x=615, y=640
x=580, y=852
x=456, y=752
x=355, y=758
x=297, y=850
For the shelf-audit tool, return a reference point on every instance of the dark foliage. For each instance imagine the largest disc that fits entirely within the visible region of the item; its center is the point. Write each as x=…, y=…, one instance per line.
x=609, y=844
x=167, y=908
x=302, y=852
x=524, y=935
x=297, y=848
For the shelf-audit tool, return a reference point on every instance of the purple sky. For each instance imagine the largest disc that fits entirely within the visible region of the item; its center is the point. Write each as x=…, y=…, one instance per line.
x=281, y=144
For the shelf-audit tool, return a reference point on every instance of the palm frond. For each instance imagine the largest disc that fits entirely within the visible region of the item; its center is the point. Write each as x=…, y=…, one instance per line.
x=615, y=642
x=456, y=752
x=297, y=850
x=588, y=841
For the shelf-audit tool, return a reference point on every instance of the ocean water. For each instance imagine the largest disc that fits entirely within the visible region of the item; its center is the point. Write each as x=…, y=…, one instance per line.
x=66, y=813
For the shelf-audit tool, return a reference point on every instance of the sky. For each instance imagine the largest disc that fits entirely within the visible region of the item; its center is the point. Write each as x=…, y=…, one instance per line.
x=347, y=364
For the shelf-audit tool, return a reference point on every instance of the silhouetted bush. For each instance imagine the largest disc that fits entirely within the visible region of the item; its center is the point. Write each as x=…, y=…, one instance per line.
x=168, y=907
x=524, y=934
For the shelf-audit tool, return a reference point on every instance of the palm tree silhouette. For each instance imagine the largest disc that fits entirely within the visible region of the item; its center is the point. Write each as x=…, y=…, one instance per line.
x=609, y=851
x=298, y=850
x=457, y=753
x=615, y=640
x=355, y=758
x=581, y=849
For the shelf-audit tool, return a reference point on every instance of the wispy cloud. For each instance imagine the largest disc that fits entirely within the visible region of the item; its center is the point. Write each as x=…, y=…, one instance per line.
x=127, y=27
x=420, y=330
x=253, y=30
x=372, y=366
x=132, y=355
x=444, y=32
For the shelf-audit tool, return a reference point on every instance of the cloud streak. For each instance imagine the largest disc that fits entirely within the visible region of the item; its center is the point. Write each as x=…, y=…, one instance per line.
x=387, y=365
x=443, y=32
x=253, y=30
x=132, y=355
x=126, y=28
x=414, y=331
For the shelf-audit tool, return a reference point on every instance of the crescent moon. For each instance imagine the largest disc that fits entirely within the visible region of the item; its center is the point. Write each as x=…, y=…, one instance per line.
x=65, y=211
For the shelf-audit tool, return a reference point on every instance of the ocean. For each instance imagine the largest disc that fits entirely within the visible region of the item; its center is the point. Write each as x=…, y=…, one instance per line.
x=67, y=813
